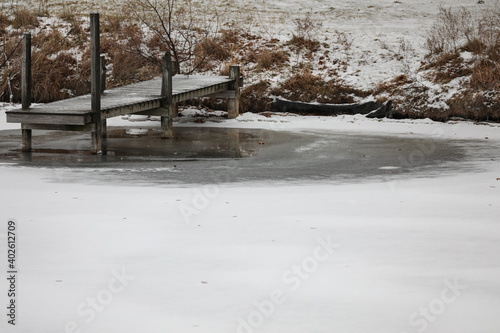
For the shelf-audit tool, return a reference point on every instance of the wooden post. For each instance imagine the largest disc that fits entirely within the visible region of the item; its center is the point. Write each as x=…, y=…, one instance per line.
x=103, y=88
x=26, y=72
x=233, y=104
x=166, y=93
x=103, y=73
x=26, y=89
x=95, y=79
x=175, y=71
x=175, y=68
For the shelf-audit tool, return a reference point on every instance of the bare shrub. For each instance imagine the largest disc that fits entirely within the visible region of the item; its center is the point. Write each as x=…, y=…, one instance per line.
x=462, y=29
x=305, y=31
x=179, y=25
x=489, y=33
x=452, y=29
x=306, y=27
x=10, y=64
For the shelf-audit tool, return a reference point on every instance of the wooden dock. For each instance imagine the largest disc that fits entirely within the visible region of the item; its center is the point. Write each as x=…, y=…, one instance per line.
x=157, y=97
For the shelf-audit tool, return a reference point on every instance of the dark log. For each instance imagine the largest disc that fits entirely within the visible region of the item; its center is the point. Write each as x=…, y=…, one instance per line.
x=370, y=109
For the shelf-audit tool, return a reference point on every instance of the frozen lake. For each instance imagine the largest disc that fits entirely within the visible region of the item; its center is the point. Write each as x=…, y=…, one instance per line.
x=213, y=155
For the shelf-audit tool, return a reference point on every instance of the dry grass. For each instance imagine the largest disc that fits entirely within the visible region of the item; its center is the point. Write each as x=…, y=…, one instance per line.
x=479, y=106
x=130, y=66
x=214, y=49
x=58, y=72
x=299, y=43
x=268, y=59
x=447, y=67
x=254, y=98
x=4, y=23
x=23, y=18
x=306, y=87
x=486, y=76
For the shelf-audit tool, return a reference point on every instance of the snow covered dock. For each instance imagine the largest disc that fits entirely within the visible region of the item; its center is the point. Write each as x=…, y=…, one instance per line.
x=89, y=113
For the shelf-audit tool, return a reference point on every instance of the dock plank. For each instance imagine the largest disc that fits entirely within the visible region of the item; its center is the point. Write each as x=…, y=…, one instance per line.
x=134, y=98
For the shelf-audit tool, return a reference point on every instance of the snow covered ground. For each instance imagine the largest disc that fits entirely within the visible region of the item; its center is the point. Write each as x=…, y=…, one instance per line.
x=412, y=255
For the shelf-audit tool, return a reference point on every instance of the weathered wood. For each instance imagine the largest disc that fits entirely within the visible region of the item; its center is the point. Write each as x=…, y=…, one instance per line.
x=95, y=78
x=104, y=133
x=129, y=109
x=103, y=73
x=175, y=68
x=224, y=94
x=26, y=72
x=175, y=110
x=167, y=101
x=54, y=127
x=26, y=144
x=233, y=105
x=49, y=118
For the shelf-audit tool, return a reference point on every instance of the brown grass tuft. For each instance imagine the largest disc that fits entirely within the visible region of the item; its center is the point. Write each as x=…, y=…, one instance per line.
x=300, y=43
x=268, y=59
x=24, y=18
x=254, y=97
x=306, y=87
x=446, y=67
x=213, y=49
x=486, y=75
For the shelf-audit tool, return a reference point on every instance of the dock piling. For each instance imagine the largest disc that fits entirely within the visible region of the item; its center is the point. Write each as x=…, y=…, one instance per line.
x=233, y=104
x=95, y=78
x=166, y=93
x=26, y=81
x=103, y=73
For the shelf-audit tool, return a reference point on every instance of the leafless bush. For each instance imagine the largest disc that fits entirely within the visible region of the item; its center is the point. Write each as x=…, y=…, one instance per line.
x=10, y=51
x=489, y=33
x=306, y=27
x=406, y=52
x=461, y=28
x=178, y=25
x=305, y=30
x=452, y=29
